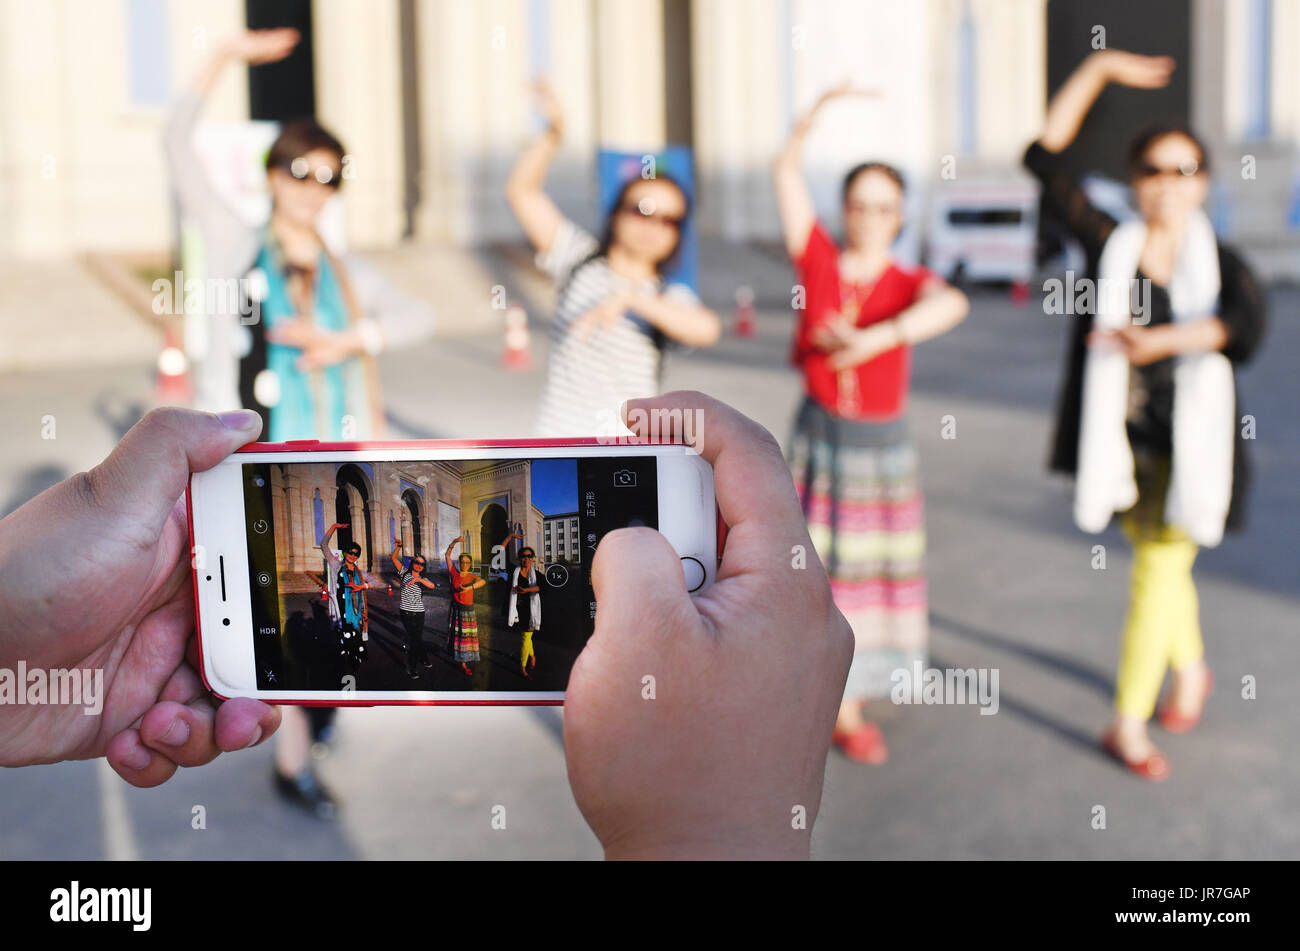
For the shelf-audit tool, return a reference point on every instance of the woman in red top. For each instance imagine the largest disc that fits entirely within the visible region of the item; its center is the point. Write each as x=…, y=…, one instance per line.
x=463, y=619
x=852, y=457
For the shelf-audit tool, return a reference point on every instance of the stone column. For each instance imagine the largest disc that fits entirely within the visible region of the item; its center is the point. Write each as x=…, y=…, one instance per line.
x=377, y=533
x=359, y=98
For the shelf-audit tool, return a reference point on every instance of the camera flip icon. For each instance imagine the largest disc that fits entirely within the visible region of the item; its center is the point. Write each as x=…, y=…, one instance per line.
x=624, y=477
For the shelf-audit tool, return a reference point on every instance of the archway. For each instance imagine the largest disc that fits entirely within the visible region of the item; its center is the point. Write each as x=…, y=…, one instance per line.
x=492, y=531
x=352, y=506
x=412, y=537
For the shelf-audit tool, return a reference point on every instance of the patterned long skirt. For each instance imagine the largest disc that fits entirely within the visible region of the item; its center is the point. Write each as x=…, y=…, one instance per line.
x=464, y=632
x=859, y=487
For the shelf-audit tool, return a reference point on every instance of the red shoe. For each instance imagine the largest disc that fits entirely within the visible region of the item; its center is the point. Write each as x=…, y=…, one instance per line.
x=1176, y=722
x=1154, y=768
x=863, y=745
x=464, y=668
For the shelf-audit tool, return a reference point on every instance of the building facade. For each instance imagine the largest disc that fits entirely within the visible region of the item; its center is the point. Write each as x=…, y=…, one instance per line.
x=424, y=504
x=429, y=97
x=560, y=539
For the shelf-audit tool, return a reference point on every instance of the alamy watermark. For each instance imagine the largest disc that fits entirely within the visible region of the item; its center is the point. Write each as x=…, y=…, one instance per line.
x=1082, y=296
x=929, y=685
x=654, y=426
x=181, y=295
x=36, y=687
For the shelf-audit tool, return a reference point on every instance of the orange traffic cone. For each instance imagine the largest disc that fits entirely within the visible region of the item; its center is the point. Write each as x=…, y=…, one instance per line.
x=517, y=355
x=172, y=385
x=745, y=323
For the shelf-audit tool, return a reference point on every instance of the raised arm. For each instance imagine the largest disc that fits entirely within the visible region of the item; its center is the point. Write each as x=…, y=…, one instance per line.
x=196, y=194
x=793, y=198
x=329, y=533
x=1063, y=196
x=451, y=569
x=397, y=561
x=525, y=193
x=1066, y=111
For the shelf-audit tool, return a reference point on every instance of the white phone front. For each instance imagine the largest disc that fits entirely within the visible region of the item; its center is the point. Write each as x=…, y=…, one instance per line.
x=324, y=575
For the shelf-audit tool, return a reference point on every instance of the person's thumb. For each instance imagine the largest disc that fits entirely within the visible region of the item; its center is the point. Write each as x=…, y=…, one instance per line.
x=149, y=469
x=638, y=581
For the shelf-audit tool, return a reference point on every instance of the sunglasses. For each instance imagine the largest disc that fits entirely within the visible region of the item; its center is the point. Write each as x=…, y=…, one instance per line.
x=1147, y=170
x=301, y=170
x=634, y=209
x=870, y=208
x=417, y=564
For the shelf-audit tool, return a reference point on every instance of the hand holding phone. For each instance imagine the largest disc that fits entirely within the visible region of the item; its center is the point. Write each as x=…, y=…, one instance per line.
x=699, y=727
x=129, y=616
x=277, y=609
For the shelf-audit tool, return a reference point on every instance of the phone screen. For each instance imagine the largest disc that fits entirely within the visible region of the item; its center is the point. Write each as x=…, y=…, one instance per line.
x=331, y=610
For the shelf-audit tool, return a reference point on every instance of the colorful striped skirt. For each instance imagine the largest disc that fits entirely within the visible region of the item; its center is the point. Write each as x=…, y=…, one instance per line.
x=464, y=632
x=860, y=491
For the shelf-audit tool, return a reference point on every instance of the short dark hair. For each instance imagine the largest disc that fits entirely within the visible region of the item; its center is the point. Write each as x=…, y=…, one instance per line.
x=527, y=551
x=1142, y=142
x=419, y=558
x=893, y=174
x=299, y=137
x=353, y=549
x=465, y=556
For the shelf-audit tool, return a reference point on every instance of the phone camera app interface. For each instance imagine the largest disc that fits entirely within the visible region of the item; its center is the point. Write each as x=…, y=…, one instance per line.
x=443, y=575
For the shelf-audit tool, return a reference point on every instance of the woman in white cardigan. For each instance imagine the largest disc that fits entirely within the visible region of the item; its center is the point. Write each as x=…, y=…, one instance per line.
x=1147, y=419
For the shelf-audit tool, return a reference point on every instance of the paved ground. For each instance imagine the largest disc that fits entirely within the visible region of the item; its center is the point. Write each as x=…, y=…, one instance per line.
x=1011, y=588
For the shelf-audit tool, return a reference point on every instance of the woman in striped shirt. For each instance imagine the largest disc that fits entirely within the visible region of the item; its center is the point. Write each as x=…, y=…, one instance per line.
x=615, y=312
x=411, y=606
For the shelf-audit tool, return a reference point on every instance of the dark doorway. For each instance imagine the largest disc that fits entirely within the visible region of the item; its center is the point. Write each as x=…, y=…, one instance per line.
x=287, y=89
x=413, y=507
x=492, y=531
x=1120, y=113
x=679, y=122
x=350, y=475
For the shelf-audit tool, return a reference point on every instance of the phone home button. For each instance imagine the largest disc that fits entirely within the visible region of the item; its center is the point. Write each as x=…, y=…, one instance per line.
x=693, y=568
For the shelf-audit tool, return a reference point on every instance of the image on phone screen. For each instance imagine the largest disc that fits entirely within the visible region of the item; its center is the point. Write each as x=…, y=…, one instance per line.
x=337, y=601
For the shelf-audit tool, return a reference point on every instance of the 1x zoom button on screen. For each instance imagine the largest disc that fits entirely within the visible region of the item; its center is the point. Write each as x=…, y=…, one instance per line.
x=557, y=576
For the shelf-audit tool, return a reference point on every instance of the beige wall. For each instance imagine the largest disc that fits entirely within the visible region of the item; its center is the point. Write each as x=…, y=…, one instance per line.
x=360, y=99
x=80, y=165
x=81, y=168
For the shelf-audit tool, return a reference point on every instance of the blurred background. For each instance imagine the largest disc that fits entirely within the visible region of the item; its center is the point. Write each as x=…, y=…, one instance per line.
x=428, y=98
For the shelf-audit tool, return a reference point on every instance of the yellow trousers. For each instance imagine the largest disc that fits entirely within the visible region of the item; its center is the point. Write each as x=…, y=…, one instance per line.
x=1163, y=628
x=527, y=651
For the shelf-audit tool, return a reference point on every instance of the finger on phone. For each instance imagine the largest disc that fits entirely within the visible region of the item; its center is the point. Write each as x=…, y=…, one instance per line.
x=629, y=563
x=752, y=481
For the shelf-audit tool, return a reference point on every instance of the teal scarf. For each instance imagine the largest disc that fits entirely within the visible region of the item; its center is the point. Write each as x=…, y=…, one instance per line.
x=297, y=415
x=353, y=601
